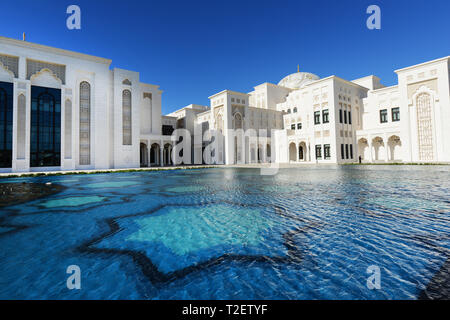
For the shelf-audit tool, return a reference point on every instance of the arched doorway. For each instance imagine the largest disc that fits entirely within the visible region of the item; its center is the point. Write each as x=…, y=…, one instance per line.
x=268, y=153
x=143, y=154
x=395, y=146
x=292, y=152
x=167, y=154
x=302, y=151
x=154, y=154
x=378, y=148
x=260, y=154
x=363, y=149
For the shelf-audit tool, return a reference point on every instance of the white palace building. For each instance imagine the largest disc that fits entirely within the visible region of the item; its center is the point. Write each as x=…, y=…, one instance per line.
x=63, y=110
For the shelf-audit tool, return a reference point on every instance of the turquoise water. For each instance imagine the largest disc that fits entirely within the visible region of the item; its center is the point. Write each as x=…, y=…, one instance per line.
x=226, y=233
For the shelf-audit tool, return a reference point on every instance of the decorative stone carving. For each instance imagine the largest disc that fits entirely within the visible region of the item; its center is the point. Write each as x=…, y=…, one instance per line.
x=10, y=63
x=34, y=67
x=126, y=82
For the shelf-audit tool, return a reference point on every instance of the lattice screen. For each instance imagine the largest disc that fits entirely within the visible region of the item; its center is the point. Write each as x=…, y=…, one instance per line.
x=11, y=63
x=34, y=67
x=425, y=127
x=85, y=123
x=126, y=117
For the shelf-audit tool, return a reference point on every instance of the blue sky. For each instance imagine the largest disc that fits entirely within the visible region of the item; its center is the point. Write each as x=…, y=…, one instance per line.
x=193, y=49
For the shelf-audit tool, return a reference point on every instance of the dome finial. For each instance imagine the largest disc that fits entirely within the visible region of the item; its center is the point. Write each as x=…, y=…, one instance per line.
x=298, y=68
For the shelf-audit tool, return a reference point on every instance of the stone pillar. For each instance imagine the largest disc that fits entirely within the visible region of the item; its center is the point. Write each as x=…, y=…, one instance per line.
x=149, y=151
x=369, y=142
x=297, y=147
x=161, y=155
x=386, y=151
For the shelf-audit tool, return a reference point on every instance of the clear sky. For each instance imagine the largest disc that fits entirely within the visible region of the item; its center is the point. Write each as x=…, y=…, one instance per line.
x=193, y=49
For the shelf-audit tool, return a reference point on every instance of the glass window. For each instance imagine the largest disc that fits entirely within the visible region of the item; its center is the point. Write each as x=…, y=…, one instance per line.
x=325, y=116
x=326, y=151
x=289, y=111
x=340, y=115
x=351, y=151
x=346, y=151
x=299, y=126
x=293, y=126
x=317, y=117
x=349, y=117
x=395, y=114
x=342, y=151
x=6, y=124
x=295, y=110
x=383, y=116
x=345, y=116
x=318, y=151
x=45, y=146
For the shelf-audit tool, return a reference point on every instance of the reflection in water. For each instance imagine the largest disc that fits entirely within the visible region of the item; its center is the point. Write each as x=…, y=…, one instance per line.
x=228, y=233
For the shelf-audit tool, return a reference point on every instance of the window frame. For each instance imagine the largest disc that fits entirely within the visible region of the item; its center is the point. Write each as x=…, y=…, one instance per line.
x=325, y=116
x=316, y=117
x=383, y=116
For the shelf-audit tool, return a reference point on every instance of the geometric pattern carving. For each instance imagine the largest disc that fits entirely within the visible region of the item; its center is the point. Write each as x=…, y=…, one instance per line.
x=126, y=82
x=11, y=64
x=126, y=117
x=85, y=123
x=34, y=67
x=425, y=127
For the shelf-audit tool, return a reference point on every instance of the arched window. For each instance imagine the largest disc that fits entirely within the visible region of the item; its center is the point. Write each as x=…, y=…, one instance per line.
x=295, y=110
x=219, y=123
x=126, y=117
x=238, y=121
x=45, y=148
x=289, y=111
x=85, y=123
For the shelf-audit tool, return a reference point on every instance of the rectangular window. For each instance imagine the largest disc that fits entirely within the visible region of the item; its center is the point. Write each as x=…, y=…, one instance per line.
x=351, y=151
x=342, y=151
x=395, y=114
x=326, y=151
x=345, y=116
x=383, y=116
x=299, y=126
x=318, y=151
x=349, y=117
x=340, y=115
x=346, y=151
x=325, y=116
x=317, y=117
x=293, y=126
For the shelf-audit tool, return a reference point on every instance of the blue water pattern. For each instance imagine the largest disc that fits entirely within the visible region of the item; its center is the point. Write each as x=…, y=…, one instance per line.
x=229, y=233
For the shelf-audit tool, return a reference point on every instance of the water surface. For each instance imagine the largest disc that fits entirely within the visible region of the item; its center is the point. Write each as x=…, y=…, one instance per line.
x=227, y=233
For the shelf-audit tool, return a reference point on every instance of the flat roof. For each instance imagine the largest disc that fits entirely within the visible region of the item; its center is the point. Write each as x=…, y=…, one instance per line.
x=37, y=46
x=423, y=63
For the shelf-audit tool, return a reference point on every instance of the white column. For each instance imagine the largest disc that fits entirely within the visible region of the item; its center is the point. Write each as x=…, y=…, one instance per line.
x=297, y=146
x=386, y=154
x=369, y=142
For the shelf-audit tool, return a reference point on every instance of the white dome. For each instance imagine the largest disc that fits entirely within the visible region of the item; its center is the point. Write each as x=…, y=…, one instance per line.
x=298, y=80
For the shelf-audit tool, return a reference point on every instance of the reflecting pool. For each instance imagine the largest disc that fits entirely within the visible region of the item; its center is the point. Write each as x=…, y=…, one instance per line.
x=230, y=233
